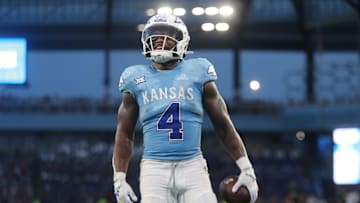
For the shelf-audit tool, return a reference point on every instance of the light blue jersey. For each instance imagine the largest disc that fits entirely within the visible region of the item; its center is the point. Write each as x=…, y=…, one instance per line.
x=170, y=106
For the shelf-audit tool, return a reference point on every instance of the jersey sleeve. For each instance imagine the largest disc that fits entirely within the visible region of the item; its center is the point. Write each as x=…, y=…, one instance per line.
x=208, y=71
x=125, y=82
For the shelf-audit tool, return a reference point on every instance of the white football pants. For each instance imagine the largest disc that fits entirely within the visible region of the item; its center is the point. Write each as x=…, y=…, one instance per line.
x=184, y=181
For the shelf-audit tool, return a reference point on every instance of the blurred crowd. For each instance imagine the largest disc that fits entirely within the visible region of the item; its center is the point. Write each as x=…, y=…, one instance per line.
x=62, y=167
x=56, y=104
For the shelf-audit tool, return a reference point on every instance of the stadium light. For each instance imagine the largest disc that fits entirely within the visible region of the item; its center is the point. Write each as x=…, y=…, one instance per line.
x=254, y=85
x=164, y=10
x=179, y=11
x=208, y=27
x=226, y=10
x=197, y=11
x=300, y=135
x=140, y=27
x=150, y=12
x=222, y=27
x=211, y=11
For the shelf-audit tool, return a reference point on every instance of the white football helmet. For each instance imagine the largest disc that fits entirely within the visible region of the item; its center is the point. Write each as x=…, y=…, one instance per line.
x=165, y=26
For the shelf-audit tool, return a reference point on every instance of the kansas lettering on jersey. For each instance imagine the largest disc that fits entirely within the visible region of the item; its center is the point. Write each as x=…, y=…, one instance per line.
x=170, y=106
x=165, y=93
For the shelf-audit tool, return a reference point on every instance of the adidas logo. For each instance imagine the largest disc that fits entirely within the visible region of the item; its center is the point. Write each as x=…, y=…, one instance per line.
x=182, y=77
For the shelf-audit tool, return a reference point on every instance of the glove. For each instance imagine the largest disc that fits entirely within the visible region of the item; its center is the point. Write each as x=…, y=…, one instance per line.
x=122, y=190
x=246, y=178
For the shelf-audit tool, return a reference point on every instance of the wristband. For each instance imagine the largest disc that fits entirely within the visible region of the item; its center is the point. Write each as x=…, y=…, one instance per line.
x=243, y=163
x=119, y=176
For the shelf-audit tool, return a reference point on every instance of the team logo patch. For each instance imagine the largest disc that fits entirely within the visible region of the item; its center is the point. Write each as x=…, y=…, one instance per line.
x=211, y=71
x=140, y=80
x=121, y=82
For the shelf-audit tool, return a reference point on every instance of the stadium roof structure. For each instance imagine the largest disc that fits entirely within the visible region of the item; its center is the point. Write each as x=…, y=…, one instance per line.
x=255, y=24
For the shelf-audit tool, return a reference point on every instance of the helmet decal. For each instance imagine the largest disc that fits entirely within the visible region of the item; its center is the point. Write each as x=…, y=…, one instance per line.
x=160, y=19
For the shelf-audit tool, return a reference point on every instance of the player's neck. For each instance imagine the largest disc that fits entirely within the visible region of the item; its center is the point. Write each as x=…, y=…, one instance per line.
x=165, y=66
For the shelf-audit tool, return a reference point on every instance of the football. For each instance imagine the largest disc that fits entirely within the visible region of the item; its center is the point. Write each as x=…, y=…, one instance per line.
x=241, y=196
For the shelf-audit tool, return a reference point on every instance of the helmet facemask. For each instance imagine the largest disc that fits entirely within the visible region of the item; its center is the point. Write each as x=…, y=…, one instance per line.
x=160, y=53
x=172, y=30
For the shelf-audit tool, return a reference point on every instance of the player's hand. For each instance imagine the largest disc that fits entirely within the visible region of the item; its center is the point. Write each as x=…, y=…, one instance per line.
x=122, y=190
x=247, y=178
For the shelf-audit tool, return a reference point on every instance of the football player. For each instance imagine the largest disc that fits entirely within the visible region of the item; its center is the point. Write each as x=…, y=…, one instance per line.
x=170, y=97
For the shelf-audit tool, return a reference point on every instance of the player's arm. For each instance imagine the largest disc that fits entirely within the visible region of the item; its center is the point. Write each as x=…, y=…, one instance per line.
x=216, y=108
x=124, y=137
x=124, y=140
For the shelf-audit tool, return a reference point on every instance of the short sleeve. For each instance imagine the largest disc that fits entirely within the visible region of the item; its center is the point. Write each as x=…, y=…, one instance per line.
x=125, y=84
x=208, y=71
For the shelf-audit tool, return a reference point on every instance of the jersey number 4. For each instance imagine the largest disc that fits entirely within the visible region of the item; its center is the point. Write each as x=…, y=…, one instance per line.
x=170, y=120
